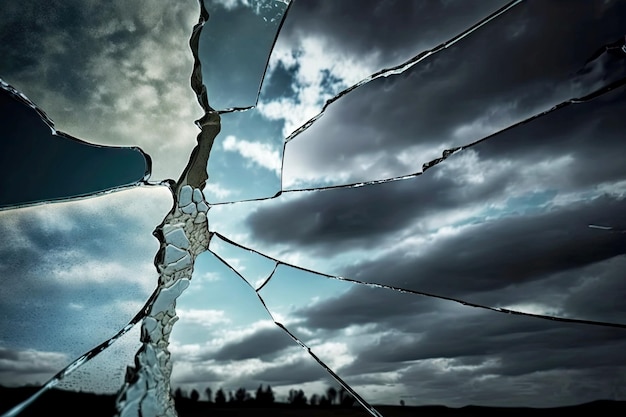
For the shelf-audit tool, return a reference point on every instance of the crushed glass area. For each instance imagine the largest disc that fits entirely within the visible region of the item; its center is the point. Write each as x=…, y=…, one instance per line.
x=426, y=213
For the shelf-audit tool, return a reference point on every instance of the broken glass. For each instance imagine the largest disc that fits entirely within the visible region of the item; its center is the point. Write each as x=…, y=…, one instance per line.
x=233, y=65
x=436, y=202
x=59, y=166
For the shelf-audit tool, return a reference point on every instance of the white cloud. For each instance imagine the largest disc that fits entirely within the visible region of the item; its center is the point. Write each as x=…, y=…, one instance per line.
x=209, y=277
x=312, y=59
x=260, y=154
x=206, y=318
x=334, y=354
x=217, y=190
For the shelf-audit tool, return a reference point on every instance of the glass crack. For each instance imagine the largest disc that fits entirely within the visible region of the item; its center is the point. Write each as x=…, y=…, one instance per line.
x=368, y=407
x=414, y=292
x=406, y=65
x=620, y=83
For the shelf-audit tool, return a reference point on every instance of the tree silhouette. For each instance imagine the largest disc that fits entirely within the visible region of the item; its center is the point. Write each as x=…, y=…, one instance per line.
x=331, y=393
x=220, y=398
x=345, y=398
x=241, y=396
x=264, y=396
x=315, y=400
x=194, y=395
x=178, y=394
x=209, y=394
x=297, y=398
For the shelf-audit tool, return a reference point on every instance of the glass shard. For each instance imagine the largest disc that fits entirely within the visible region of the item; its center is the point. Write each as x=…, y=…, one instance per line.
x=109, y=73
x=394, y=140
x=41, y=164
x=246, y=161
x=234, y=49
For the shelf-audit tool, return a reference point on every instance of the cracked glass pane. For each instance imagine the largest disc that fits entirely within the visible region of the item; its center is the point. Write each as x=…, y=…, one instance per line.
x=437, y=219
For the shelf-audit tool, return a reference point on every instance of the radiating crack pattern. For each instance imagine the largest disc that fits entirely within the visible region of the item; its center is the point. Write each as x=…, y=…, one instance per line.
x=184, y=234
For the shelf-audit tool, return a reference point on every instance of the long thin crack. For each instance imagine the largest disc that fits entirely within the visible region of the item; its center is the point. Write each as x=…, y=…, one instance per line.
x=368, y=407
x=620, y=83
x=406, y=65
x=78, y=362
x=606, y=228
x=421, y=293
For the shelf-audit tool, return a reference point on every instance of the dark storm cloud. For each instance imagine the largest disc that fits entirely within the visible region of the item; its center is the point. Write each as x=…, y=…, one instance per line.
x=515, y=341
x=590, y=133
x=357, y=217
x=469, y=90
x=28, y=362
x=550, y=258
x=299, y=372
x=364, y=305
x=263, y=344
x=511, y=250
x=393, y=28
x=511, y=350
x=32, y=30
x=542, y=389
x=600, y=297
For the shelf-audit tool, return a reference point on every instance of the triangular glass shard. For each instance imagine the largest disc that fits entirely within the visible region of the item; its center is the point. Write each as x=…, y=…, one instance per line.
x=246, y=159
x=89, y=389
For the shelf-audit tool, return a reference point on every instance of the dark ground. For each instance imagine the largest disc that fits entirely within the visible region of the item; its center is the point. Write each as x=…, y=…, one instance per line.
x=71, y=404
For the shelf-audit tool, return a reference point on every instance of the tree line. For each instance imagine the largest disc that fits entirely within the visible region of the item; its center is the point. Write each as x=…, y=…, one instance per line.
x=264, y=396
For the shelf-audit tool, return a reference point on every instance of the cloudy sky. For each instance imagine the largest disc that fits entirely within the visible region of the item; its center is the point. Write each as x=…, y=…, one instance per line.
x=503, y=223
